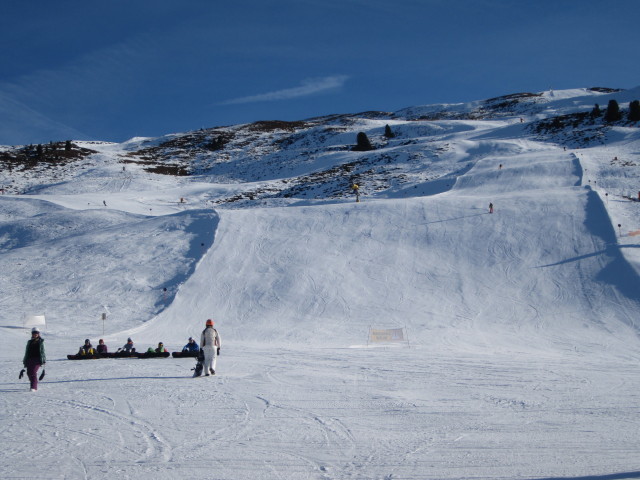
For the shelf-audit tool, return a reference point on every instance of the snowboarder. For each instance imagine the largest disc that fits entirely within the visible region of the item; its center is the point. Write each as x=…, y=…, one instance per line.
x=127, y=347
x=160, y=348
x=490, y=207
x=87, y=348
x=210, y=342
x=34, y=357
x=191, y=346
x=102, y=347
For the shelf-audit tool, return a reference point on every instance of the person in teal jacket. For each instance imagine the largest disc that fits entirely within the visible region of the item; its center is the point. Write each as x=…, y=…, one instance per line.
x=34, y=357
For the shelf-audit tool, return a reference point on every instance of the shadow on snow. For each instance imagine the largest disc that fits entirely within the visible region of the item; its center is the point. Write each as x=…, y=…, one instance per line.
x=611, y=476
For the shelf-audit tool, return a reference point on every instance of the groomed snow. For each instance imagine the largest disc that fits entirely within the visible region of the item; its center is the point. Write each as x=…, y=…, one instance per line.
x=524, y=351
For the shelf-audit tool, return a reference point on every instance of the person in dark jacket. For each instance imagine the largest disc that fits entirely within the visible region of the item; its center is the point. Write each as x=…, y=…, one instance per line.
x=160, y=348
x=34, y=357
x=87, y=348
x=101, y=348
x=191, y=346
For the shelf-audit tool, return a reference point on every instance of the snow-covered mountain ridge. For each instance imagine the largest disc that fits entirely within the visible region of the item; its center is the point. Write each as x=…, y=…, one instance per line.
x=522, y=323
x=312, y=159
x=163, y=189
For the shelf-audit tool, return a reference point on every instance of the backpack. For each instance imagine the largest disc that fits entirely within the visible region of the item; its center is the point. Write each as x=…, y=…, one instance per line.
x=215, y=336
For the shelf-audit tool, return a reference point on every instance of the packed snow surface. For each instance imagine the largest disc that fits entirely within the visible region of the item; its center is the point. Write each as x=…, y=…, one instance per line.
x=521, y=357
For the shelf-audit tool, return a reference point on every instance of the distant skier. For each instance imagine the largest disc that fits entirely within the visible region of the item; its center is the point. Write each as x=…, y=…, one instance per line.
x=191, y=346
x=102, y=347
x=87, y=348
x=356, y=190
x=210, y=343
x=491, y=208
x=34, y=357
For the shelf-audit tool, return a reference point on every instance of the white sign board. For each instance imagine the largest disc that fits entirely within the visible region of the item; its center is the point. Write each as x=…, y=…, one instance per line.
x=34, y=321
x=387, y=335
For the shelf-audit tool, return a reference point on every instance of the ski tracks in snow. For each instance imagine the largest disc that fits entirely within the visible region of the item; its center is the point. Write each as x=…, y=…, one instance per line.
x=137, y=437
x=106, y=437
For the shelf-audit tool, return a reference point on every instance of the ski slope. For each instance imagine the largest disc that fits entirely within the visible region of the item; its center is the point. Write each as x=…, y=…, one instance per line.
x=523, y=324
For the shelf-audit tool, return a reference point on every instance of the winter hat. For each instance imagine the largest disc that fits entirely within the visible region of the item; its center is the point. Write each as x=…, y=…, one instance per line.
x=35, y=330
x=209, y=323
x=86, y=340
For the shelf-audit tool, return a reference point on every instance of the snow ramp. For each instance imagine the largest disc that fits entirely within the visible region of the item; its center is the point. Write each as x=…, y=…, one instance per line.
x=538, y=272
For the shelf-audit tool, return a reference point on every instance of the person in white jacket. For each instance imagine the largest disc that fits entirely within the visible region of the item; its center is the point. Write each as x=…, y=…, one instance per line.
x=210, y=344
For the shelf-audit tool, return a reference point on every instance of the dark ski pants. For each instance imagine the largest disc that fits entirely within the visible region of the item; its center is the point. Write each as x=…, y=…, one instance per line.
x=32, y=372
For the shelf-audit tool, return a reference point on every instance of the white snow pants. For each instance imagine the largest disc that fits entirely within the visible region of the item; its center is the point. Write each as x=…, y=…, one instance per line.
x=210, y=359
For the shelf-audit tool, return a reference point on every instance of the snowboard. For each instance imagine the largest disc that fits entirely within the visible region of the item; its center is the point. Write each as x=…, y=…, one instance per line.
x=184, y=354
x=153, y=355
x=122, y=354
x=197, y=371
x=86, y=357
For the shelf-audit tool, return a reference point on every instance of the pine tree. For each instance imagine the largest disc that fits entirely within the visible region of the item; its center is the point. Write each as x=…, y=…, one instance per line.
x=634, y=111
x=387, y=132
x=613, y=112
x=363, y=144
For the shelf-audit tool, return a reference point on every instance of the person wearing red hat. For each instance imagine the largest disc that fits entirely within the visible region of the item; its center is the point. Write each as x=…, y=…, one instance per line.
x=210, y=344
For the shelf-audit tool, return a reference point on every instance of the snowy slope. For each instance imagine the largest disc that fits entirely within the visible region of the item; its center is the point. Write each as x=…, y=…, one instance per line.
x=522, y=324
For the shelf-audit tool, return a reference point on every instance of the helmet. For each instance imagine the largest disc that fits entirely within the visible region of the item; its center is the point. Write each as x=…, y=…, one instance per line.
x=86, y=340
x=209, y=323
x=35, y=330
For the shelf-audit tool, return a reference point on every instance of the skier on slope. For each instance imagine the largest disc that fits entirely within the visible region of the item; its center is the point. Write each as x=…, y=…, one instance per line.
x=34, y=357
x=210, y=343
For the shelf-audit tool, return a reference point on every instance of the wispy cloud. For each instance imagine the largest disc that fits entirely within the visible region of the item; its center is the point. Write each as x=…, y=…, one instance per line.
x=309, y=87
x=21, y=125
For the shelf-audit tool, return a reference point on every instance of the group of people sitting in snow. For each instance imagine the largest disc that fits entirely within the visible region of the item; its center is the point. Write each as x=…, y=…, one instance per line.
x=88, y=349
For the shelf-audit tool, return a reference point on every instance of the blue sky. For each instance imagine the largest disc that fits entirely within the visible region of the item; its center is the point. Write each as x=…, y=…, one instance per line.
x=112, y=70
